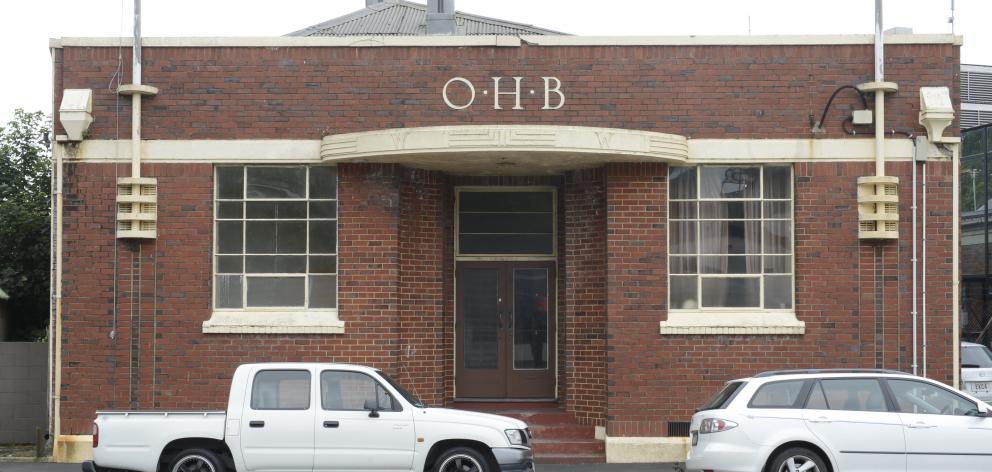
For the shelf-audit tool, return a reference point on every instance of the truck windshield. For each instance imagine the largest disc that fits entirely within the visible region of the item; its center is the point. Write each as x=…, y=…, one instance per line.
x=976, y=357
x=406, y=394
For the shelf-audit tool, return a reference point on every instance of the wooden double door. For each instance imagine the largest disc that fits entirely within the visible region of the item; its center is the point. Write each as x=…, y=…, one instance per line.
x=505, y=330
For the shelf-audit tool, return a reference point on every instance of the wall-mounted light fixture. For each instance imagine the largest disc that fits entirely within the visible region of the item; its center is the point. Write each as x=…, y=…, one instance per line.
x=74, y=112
x=936, y=113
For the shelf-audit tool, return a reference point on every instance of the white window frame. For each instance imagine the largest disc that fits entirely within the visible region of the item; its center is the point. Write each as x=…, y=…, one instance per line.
x=732, y=320
x=273, y=319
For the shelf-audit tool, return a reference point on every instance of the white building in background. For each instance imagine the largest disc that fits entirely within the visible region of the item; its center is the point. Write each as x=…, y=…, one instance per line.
x=976, y=95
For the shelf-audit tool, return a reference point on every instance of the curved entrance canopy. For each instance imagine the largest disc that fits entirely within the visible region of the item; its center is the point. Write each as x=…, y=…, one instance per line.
x=504, y=149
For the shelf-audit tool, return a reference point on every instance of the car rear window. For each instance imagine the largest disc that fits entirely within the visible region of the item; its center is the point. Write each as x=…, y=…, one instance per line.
x=723, y=397
x=784, y=394
x=976, y=357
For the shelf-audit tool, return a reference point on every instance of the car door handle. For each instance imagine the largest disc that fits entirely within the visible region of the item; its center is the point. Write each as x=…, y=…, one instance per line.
x=921, y=425
x=331, y=424
x=256, y=424
x=820, y=419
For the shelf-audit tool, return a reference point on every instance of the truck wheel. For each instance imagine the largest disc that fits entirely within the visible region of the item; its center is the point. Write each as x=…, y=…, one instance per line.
x=196, y=460
x=461, y=459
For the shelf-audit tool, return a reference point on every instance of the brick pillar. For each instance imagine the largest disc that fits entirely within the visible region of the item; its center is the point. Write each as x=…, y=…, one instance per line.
x=368, y=257
x=637, y=292
x=584, y=272
x=421, y=312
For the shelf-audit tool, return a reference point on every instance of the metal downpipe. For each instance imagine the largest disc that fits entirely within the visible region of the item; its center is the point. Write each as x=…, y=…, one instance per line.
x=923, y=302
x=915, y=262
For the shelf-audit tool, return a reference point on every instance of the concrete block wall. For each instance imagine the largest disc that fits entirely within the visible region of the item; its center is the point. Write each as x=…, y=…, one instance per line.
x=23, y=390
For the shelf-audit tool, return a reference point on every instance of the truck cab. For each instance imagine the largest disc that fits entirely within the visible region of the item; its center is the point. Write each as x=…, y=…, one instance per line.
x=302, y=417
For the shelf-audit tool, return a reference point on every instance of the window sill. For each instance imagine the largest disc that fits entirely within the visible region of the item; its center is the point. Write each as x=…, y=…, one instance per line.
x=274, y=322
x=732, y=322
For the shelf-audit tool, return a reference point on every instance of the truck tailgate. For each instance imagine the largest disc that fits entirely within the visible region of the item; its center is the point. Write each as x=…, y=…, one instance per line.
x=134, y=440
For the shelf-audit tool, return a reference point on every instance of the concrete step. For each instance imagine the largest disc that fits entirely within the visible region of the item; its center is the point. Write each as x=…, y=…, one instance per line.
x=570, y=459
x=558, y=437
x=569, y=446
x=541, y=417
x=505, y=406
x=562, y=431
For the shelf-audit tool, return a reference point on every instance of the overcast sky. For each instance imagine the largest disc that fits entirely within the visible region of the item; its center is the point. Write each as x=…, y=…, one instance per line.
x=26, y=25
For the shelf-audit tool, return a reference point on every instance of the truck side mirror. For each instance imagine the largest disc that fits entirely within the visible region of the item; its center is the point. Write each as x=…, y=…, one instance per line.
x=373, y=407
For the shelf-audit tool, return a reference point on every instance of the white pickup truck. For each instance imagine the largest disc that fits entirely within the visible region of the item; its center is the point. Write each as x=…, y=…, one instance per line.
x=303, y=417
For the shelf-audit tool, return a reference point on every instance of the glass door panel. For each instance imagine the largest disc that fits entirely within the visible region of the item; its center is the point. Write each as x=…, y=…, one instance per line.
x=505, y=331
x=530, y=318
x=481, y=305
x=480, y=367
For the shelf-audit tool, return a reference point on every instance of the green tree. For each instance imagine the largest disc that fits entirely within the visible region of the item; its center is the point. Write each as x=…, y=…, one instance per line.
x=25, y=222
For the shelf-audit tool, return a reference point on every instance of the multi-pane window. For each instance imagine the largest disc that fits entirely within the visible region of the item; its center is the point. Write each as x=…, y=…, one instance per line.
x=730, y=237
x=275, y=237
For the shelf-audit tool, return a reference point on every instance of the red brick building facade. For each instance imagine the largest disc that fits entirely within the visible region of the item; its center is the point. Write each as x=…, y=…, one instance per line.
x=145, y=324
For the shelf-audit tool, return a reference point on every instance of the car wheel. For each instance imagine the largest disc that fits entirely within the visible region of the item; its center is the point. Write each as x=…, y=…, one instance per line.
x=798, y=459
x=461, y=459
x=196, y=460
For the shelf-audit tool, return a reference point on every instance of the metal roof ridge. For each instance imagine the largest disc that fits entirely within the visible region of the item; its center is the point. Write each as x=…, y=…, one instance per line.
x=501, y=40
x=355, y=15
x=387, y=4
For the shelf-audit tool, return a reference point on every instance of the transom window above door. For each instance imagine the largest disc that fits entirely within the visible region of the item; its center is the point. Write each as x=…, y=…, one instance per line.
x=505, y=222
x=730, y=237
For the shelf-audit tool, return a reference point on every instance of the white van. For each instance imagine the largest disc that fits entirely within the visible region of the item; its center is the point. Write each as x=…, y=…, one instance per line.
x=976, y=370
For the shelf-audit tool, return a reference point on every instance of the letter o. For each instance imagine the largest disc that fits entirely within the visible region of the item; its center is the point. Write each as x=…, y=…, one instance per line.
x=444, y=93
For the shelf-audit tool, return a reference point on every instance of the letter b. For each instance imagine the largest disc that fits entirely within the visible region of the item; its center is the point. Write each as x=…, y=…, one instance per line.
x=548, y=90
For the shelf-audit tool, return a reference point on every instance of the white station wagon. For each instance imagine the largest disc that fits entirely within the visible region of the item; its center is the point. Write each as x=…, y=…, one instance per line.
x=840, y=421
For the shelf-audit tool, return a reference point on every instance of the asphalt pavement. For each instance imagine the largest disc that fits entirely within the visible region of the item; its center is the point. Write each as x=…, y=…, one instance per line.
x=48, y=467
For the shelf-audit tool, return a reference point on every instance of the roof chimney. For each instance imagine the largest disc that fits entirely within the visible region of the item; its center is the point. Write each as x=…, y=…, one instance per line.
x=441, y=17
x=369, y=3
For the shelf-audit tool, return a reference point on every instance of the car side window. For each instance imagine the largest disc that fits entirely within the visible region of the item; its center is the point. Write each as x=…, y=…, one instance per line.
x=281, y=390
x=928, y=399
x=852, y=395
x=348, y=391
x=783, y=394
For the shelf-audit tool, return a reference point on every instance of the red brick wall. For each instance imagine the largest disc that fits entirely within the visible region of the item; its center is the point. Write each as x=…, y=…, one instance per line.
x=699, y=92
x=395, y=249
x=425, y=347
x=160, y=358
x=855, y=297
x=637, y=291
x=584, y=314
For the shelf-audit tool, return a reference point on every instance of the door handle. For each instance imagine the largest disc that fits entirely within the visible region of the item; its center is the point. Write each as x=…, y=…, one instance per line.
x=921, y=425
x=330, y=424
x=256, y=424
x=820, y=419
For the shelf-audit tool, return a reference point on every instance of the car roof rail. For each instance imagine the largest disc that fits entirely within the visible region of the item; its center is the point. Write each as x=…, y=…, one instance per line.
x=772, y=373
